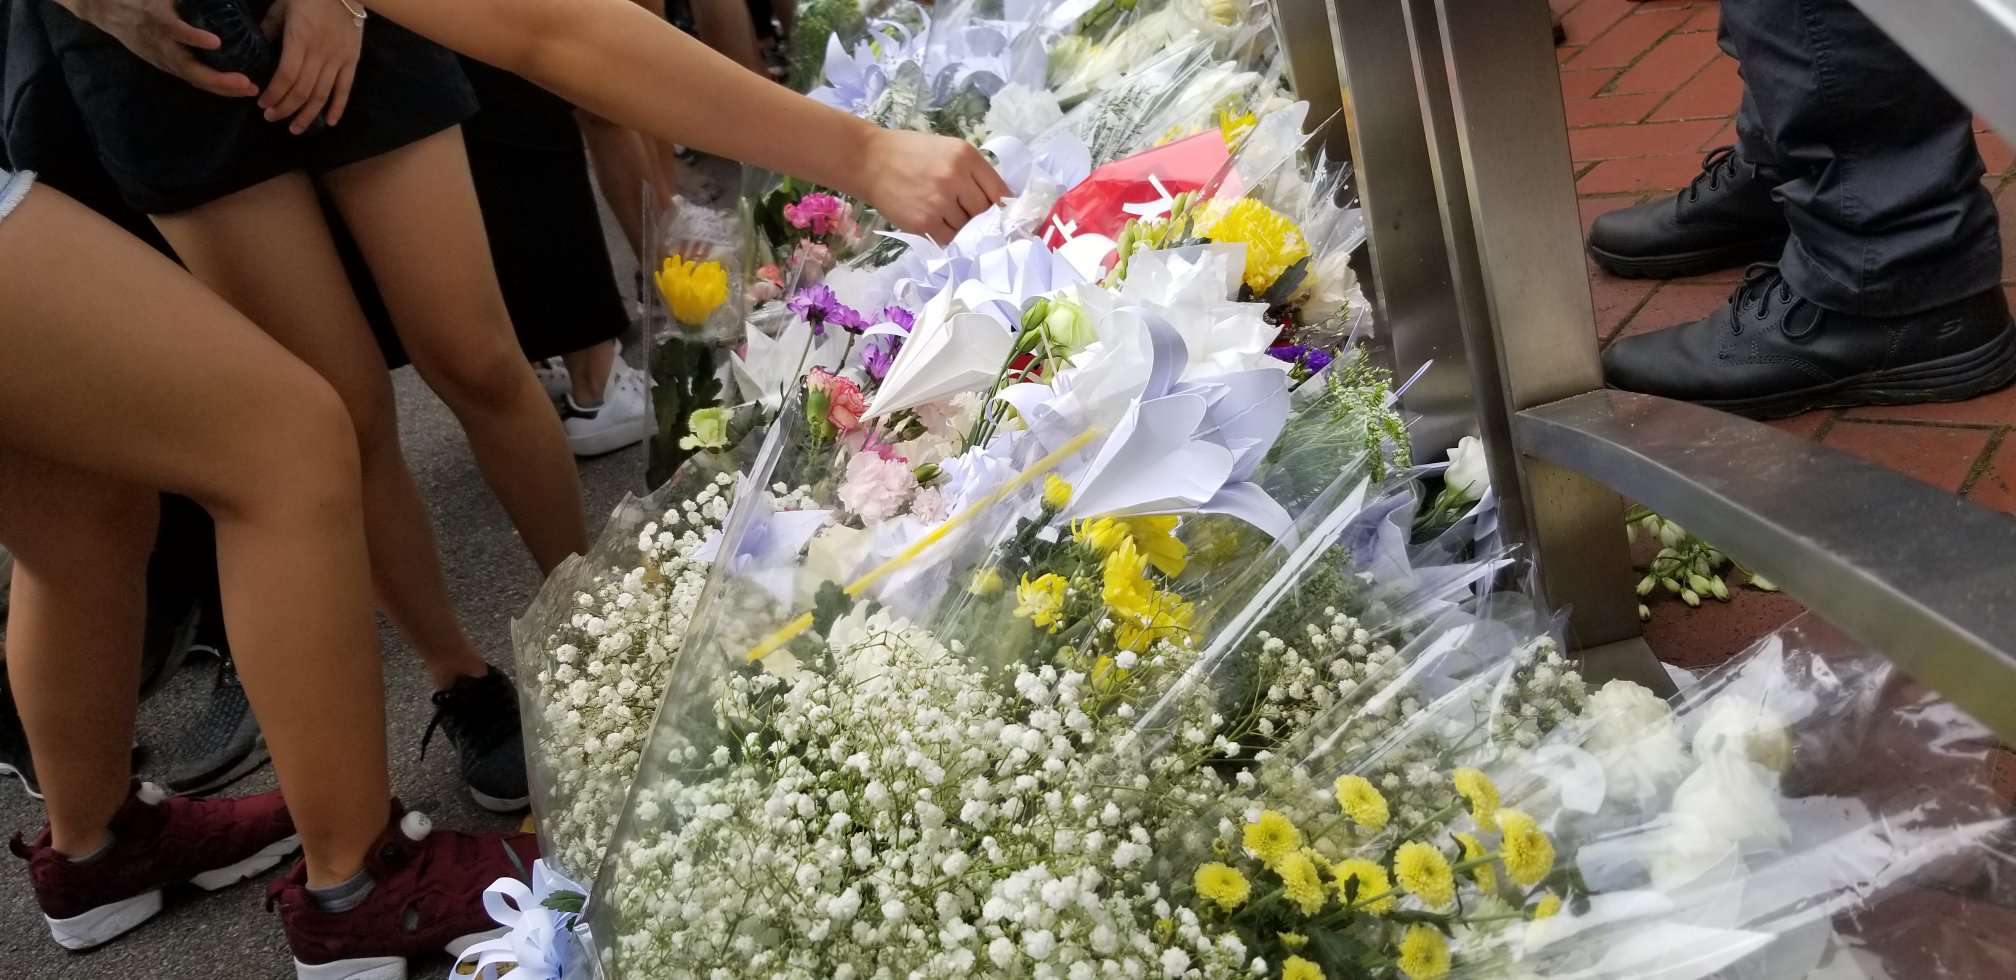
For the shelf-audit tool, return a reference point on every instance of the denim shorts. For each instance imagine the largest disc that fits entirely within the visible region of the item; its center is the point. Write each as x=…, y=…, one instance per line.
x=13, y=187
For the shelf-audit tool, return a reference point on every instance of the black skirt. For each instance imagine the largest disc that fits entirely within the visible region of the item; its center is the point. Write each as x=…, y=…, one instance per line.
x=170, y=146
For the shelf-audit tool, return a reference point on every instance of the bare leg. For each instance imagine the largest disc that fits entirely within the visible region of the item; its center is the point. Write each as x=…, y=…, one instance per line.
x=589, y=371
x=725, y=26
x=263, y=444
x=414, y=214
x=80, y=545
x=302, y=296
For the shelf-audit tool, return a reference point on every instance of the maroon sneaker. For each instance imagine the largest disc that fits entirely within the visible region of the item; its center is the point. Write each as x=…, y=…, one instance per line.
x=427, y=898
x=157, y=840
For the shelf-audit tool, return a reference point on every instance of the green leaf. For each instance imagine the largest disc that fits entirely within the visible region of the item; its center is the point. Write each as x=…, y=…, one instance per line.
x=683, y=374
x=566, y=901
x=828, y=606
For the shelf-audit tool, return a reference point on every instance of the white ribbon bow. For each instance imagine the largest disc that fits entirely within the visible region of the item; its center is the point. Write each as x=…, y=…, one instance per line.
x=537, y=943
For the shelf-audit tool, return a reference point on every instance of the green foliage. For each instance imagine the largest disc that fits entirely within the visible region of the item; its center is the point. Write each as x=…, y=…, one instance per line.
x=683, y=375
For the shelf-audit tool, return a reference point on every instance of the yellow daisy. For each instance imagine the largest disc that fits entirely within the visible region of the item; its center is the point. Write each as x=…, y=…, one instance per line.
x=1362, y=802
x=1487, y=876
x=1364, y=884
x=1271, y=837
x=1528, y=854
x=1481, y=793
x=1297, y=968
x=1424, y=953
x=1424, y=872
x=1222, y=884
x=1547, y=907
x=1302, y=883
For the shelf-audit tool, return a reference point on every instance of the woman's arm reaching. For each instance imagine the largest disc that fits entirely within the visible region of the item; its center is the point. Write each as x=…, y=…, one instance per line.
x=620, y=62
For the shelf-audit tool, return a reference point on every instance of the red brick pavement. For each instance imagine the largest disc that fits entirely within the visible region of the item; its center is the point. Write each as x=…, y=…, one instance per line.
x=1647, y=95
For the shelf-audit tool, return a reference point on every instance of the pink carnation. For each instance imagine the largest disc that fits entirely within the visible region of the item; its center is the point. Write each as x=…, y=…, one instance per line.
x=876, y=488
x=817, y=213
x=848, y=404
x=811, y=259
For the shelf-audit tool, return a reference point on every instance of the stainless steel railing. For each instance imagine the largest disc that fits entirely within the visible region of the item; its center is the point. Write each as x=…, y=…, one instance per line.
x=1459, y=143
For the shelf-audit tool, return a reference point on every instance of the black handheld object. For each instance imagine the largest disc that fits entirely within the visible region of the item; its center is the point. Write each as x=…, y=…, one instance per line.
x=246, y=49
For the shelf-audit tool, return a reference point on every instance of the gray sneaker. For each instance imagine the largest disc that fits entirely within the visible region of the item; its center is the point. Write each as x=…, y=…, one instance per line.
x=224, y=745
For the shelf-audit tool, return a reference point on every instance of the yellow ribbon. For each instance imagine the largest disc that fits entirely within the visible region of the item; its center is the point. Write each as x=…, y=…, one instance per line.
x=797, y=626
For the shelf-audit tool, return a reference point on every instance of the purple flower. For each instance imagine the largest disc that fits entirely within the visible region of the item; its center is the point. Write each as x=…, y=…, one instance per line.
x=1313, y=358
x=900, y=317
x=819, y=307
x=878, y=355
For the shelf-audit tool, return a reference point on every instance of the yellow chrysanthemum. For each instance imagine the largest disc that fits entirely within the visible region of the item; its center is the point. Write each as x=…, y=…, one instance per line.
x=1056, y=492
x=1364, y=884
x=1156, y=537
x=1297, y=968
x=1481, y=793
x=1235, y=127
x=1041, y=601
x=1486, y=875
x=1424, y=953
x=1164, y=616
x=1362, y=802
x=1528, y=854
x=1292, y=940
x=1301, y=882
x=1547, y=907
x=1101, y=535
x=1273, y=243
x=1424, y=872
x=1124, y=577
x=1222, y=884
x=1271, y=837
x=692, y=290
x=985, y=582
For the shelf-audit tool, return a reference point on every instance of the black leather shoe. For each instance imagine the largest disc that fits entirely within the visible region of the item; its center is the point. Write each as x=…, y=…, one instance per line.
x=1769, y=354
x=1724, y=219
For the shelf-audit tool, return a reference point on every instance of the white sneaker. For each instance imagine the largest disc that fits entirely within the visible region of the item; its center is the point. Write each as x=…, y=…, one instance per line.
x=622, y=420
x=553, y=376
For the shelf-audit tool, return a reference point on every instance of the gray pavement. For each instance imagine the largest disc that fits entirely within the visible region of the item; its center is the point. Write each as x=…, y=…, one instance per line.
x=229, y=934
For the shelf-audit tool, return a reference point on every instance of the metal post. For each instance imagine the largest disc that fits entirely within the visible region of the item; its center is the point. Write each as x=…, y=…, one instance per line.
x=1303, y=29
x=1410, y=265
x=1523, y=294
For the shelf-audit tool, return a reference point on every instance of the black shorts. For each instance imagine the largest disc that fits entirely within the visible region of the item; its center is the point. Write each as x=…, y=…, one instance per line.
x=171, y=147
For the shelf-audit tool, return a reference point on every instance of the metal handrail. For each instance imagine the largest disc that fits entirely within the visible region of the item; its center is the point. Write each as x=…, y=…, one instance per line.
x=1455, y=105
x=1925, y=577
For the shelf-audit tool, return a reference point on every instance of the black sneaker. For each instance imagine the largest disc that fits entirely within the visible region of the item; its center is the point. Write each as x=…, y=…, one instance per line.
x=480, y=715
x=14, y=758
x=1770, y=353
x=224, y=745
x=1725, y=219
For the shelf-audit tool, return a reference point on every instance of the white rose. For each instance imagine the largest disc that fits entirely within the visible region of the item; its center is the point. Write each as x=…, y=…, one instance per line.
x=1744, y=728
x=1632, y=734
x=1468, y=475
x=1734, y=799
